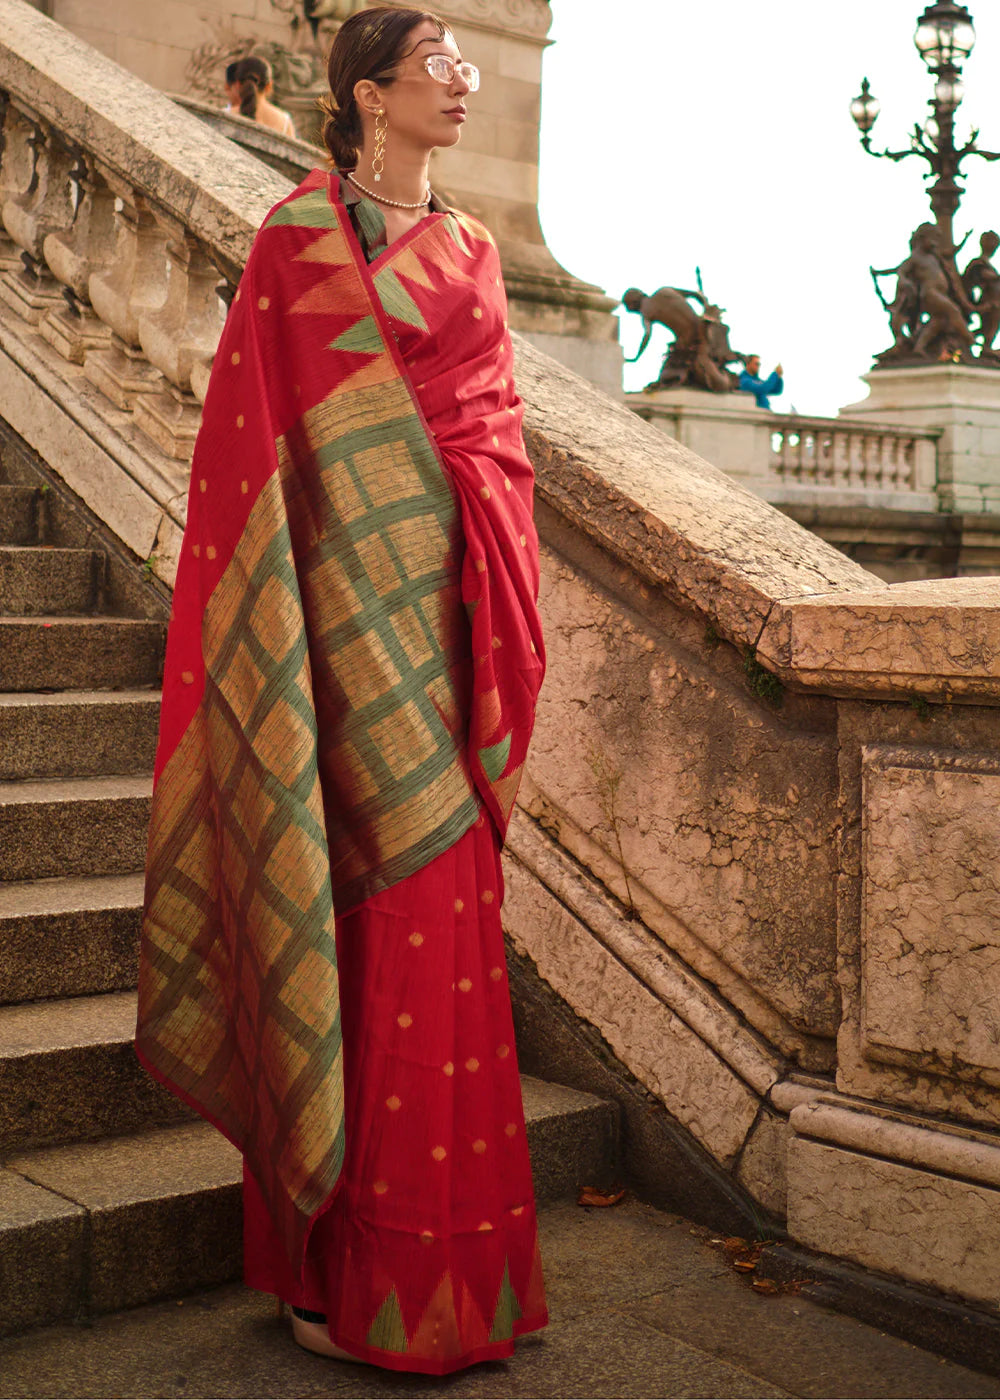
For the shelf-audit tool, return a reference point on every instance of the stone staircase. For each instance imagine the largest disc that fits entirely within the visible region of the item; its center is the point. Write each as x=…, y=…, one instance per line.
x=110, y=1194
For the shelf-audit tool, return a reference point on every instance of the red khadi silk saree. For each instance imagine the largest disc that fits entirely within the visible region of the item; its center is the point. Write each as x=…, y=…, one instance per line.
x=351, y=674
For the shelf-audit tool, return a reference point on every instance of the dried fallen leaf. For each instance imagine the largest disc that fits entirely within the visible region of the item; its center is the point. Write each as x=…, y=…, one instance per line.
x=765, y=1285
x=593, y=1196
x=734, y=1245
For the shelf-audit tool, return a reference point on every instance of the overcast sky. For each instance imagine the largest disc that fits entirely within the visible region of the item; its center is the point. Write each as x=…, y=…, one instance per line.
x=717, y=134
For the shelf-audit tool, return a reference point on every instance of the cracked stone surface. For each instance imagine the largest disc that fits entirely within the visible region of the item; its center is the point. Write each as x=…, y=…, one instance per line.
x=931, y=936
x=725, y=810
x=914, y=1224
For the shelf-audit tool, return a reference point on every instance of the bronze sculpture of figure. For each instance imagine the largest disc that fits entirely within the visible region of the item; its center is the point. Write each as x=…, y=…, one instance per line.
x=700, y=350
x=983, y=278
x=930, y=311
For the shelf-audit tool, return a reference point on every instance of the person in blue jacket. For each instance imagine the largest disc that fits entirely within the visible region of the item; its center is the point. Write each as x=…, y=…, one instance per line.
x=762, y=389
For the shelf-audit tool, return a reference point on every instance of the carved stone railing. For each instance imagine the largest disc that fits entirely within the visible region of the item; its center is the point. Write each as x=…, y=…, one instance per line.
x=840, y=454
x=124, y=226
x=797, y=460
x=782, y=918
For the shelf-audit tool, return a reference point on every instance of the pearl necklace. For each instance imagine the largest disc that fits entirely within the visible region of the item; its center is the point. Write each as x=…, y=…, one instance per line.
x=395, y=203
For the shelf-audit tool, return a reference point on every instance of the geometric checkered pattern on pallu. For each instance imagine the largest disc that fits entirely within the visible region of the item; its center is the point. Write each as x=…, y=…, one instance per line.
x=376, y=539
x=239, y=1002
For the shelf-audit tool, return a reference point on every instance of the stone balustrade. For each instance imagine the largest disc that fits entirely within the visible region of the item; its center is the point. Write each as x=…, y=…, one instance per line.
x=843, y=455
x=790, y=459
x=124, y=226
x=756, y=851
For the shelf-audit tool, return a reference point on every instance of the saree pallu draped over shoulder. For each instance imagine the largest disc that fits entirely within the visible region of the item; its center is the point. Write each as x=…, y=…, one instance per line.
x=352, y=663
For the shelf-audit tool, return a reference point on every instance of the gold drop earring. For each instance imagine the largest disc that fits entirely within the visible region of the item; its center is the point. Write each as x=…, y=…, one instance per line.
x=378, y=158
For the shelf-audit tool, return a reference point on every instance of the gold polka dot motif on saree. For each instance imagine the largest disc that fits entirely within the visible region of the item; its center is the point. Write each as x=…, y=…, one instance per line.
x=448, y=1068
x=472, y=1064
x=459, y=905
x=496, y=973
x=416, y=940
x=439, y=1153
x=404, y=1020
x=465, y=984
x=487, y=897
x=479, y=1147
x=394, y=1103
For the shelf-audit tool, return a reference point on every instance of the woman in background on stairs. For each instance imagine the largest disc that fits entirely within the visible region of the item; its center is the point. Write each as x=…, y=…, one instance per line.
x=352, y=668
x=255, y=83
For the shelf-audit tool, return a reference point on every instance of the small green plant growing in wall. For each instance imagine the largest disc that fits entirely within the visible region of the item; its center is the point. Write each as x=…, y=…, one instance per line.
x=920, y=707
x=608, y=780
x=761, y=682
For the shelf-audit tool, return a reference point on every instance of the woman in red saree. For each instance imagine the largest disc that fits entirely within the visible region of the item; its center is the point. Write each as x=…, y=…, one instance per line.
x=351, y=675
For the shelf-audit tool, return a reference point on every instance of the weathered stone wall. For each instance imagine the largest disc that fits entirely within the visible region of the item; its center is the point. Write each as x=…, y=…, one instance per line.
x=781, y=917
x=156, y=41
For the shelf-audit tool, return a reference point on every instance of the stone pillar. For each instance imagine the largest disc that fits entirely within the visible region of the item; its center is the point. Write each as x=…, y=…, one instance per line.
x=961, y=400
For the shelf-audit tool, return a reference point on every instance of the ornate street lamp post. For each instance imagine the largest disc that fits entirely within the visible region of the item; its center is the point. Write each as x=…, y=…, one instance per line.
x=945, y=37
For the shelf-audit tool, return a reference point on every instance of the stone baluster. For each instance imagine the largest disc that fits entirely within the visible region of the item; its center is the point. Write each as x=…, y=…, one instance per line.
x=227, y=281
x=180, y=338
x=8, y=252
x=132, y=284
x=46, y=206
x=73, y=257
x=17, y=169
x=825, y=457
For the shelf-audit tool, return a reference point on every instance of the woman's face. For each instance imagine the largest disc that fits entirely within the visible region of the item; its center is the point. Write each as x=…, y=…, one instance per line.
x=418, y=108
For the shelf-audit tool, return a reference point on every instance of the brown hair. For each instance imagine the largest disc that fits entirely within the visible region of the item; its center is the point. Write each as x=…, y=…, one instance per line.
x=253, y=75
x=368, y=45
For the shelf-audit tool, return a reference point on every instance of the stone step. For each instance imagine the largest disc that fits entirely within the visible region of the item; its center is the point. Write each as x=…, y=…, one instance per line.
x=68, y=1073
x=69, y=938
x=82, y=734
x=18, y=514
x=79, y=653
x=37, y=581
x=73, y=826
x=99, y=1226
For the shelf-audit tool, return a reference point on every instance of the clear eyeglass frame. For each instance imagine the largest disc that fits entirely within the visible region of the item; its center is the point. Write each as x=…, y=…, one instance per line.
x=443, y=69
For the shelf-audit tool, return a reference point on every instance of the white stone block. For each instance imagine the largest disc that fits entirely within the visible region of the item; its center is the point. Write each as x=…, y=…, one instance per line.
x=918, y=1202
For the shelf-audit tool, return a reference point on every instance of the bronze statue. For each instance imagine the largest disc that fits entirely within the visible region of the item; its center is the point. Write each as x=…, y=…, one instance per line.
x=700, y=350
x=930, y=311
x=983, y=278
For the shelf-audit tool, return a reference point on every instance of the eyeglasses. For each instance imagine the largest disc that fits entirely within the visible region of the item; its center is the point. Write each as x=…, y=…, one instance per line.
x=443, y=69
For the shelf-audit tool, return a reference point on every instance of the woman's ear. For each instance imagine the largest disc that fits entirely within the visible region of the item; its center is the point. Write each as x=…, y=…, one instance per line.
x=367, y=96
